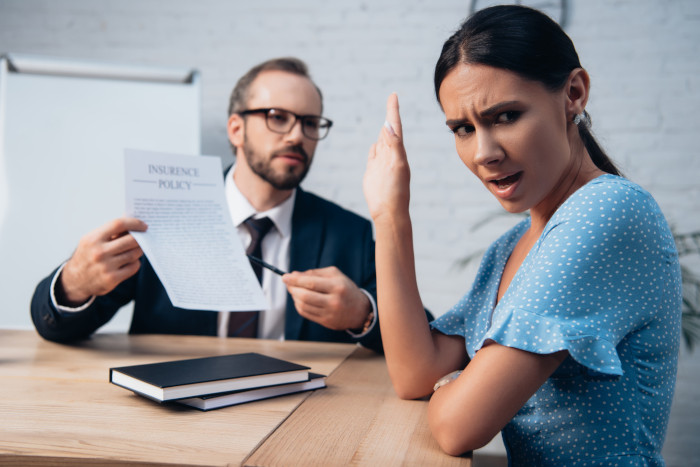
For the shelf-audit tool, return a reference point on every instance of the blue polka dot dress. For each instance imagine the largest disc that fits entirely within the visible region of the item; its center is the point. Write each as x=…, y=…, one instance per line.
x=603, y=282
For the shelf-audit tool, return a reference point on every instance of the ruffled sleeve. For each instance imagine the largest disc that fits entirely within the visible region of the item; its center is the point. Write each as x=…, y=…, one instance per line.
x=524, y=330
x=590, y=280
x=471, y=316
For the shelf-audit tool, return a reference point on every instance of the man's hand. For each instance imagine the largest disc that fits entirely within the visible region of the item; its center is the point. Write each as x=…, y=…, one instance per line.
x=329, y=298
x=104, y=258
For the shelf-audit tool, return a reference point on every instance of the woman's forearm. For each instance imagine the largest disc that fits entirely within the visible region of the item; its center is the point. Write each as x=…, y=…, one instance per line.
x=412, y=351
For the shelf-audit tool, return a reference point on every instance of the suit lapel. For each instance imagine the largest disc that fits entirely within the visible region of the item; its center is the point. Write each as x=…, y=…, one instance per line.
x=304, y=252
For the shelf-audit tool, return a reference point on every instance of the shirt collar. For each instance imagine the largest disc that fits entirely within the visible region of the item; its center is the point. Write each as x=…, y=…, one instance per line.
x=241, y=209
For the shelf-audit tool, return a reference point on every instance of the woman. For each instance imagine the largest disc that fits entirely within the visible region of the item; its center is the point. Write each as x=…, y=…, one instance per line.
x=568, y=339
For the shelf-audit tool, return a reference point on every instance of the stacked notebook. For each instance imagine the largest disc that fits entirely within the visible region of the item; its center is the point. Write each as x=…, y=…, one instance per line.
x=214, y=382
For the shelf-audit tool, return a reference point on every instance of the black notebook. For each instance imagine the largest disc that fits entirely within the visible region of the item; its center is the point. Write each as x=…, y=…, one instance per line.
x=216, y=401
x=166, y=381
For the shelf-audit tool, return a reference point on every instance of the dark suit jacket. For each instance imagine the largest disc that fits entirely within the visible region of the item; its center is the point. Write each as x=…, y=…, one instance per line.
x=323, y=234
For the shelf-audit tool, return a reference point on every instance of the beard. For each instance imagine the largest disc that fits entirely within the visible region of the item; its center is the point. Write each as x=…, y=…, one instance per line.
x=279, y=179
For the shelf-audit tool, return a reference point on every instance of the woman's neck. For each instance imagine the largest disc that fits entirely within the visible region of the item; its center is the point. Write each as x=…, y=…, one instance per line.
x=580, y=172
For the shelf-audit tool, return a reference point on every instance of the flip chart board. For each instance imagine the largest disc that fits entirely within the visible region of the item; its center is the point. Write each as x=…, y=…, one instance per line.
x=64, y=125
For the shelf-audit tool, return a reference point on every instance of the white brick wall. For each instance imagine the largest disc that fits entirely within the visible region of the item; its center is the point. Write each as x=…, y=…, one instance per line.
x=642, y=55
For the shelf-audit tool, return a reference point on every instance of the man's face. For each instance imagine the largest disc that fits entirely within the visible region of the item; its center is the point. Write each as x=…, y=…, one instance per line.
x=282, y=160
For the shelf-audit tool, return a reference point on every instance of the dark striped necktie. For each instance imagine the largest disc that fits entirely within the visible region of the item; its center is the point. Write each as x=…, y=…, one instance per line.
x=245, y=323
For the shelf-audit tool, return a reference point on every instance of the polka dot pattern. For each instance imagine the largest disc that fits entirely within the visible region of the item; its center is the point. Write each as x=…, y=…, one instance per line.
x=602, y=282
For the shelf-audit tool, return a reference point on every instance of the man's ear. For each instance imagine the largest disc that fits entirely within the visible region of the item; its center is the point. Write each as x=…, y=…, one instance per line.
x=576, y=88
x=235, y=129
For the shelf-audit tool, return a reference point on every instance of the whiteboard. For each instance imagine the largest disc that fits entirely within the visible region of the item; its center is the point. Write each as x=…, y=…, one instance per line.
x=64, y=125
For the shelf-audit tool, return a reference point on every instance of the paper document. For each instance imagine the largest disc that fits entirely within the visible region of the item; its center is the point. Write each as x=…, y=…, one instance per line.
x=191, y=241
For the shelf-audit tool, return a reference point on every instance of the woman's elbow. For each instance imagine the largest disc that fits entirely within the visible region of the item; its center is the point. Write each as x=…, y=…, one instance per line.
x=456, y=444
x=410, y=390
x=454, y=433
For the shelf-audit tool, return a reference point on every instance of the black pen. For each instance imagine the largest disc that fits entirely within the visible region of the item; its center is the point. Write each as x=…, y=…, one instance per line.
x=267, y=265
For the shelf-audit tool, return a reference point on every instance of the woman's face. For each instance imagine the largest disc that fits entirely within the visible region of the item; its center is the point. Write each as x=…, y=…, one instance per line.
x=511, y=133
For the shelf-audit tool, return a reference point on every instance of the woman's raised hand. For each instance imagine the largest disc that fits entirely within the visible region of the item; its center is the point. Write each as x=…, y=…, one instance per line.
x=387, y=178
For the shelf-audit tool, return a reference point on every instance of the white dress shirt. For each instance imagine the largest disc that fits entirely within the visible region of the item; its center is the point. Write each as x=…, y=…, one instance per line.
x=275, y=248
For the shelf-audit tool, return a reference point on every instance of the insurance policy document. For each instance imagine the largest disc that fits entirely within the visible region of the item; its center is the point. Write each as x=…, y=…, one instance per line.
x=191, y=241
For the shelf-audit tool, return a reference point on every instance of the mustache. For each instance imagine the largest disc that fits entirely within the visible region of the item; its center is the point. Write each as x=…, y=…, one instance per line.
x=294, y=149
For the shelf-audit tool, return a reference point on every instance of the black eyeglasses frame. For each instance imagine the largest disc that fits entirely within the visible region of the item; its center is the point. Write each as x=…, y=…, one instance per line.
x=324, y=123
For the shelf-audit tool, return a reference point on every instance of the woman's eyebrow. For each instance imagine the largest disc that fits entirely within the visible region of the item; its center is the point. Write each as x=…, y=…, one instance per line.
x=456, y=122
x=489, y=112
x=494, y=109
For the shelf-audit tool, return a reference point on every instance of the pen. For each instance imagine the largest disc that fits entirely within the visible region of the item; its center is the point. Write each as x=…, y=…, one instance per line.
x=266, y=265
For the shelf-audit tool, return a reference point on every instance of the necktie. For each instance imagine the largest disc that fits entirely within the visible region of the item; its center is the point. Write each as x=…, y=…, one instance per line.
x=245, y=323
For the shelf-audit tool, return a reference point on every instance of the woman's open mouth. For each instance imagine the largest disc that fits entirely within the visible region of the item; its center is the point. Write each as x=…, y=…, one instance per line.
x=505, y=182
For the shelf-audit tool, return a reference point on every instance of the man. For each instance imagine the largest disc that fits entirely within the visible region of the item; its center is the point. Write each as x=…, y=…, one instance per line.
x=274, y=125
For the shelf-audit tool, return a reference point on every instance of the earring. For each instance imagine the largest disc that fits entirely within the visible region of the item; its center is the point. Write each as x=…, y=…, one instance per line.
x=582, y=119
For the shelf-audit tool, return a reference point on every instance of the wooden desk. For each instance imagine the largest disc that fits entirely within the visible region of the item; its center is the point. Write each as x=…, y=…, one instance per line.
x=58, y=408
x=356, y=420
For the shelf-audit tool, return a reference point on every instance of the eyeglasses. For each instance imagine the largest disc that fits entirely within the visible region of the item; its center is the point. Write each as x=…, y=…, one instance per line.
x=282, y=121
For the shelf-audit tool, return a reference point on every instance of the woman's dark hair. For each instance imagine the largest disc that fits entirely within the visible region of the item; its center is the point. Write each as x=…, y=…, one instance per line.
x=526, y=42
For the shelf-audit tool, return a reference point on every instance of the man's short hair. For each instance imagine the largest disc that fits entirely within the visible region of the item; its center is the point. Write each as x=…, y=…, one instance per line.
x=240, y=93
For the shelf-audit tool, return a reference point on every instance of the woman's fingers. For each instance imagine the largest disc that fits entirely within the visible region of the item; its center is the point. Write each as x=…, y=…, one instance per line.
x=387, y=177
x=393, y=119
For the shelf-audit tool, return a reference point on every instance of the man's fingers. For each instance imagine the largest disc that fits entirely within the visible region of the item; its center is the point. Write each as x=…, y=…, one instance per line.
x=330, y=271
x=316, y=280
x=309, y=298
x=127, y=270
x=131, y=255
x=123, y=244
x=118, y=227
